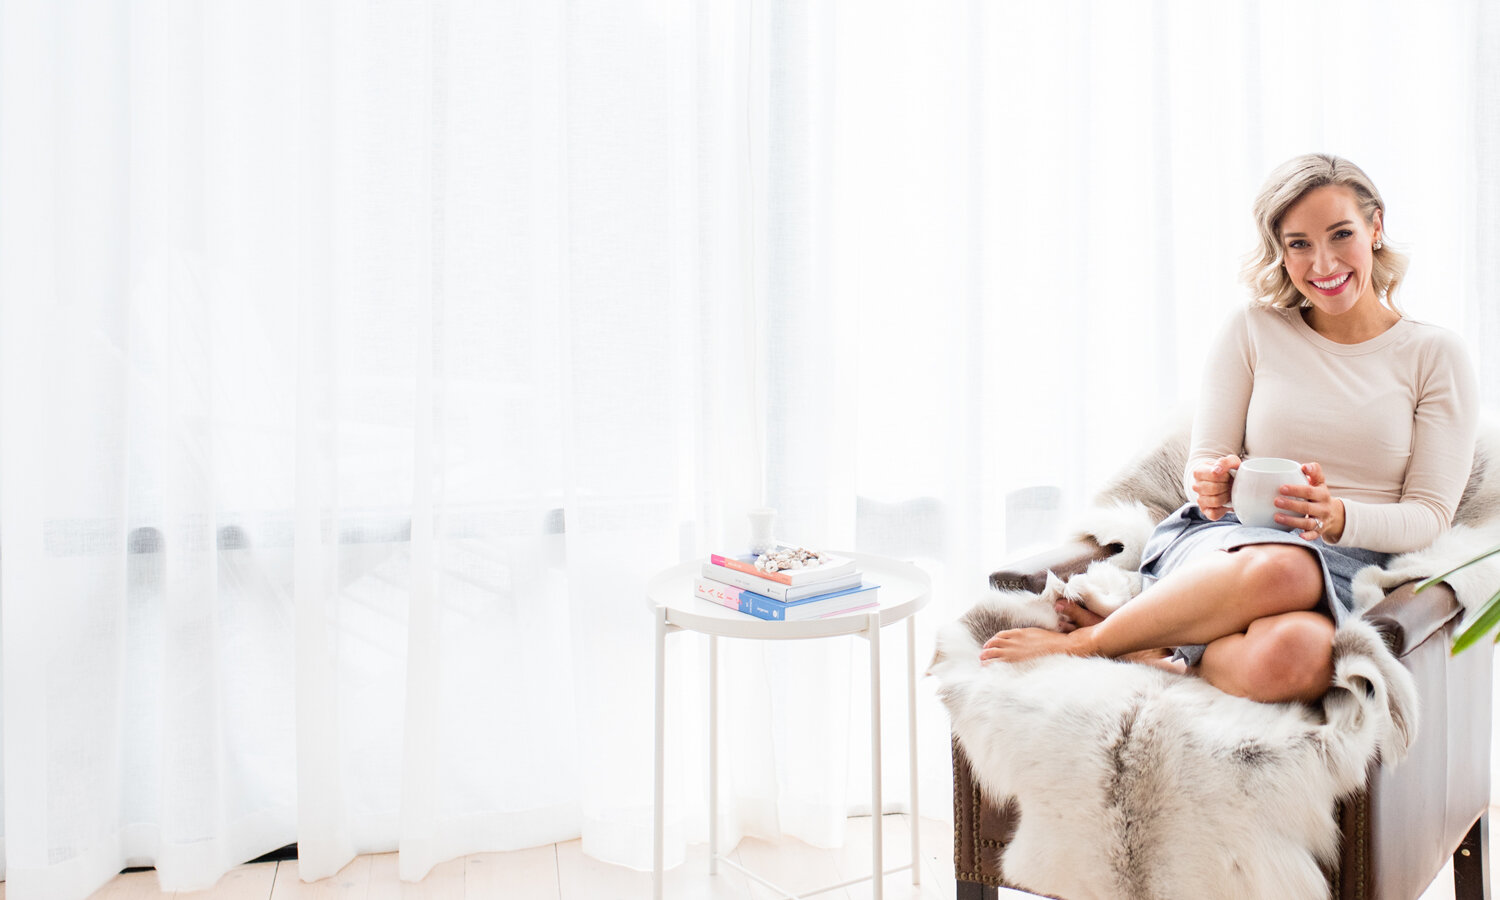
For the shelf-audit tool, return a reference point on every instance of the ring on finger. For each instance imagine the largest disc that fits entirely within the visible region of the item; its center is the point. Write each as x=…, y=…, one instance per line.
x=1317, y=524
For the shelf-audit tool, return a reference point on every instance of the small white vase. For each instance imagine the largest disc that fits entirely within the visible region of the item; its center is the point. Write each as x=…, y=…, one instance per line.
x=762, y=527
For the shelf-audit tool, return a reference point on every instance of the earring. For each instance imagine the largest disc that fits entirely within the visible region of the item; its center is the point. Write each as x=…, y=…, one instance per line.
x=1378, y=245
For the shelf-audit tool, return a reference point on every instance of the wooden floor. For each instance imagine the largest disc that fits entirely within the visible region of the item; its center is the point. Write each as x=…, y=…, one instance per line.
x=562, y=872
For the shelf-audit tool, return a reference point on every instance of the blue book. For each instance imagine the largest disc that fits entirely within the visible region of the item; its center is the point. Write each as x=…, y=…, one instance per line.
x=762, y=607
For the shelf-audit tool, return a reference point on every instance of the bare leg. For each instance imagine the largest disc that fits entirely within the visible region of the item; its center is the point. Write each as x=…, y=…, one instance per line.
x=1216, y=596
x=1073, y=616
x=1278, y=658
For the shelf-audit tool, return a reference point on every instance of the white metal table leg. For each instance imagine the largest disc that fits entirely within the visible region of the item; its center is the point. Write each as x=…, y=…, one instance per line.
x=659, y=808
x=713, y=754
x=877, y=806
x=911, y=728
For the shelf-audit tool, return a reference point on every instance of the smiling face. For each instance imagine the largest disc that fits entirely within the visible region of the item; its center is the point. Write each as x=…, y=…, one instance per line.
x=1327, y=247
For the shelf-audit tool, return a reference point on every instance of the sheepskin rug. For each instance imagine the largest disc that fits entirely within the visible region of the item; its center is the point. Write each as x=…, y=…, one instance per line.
x=1134, y=782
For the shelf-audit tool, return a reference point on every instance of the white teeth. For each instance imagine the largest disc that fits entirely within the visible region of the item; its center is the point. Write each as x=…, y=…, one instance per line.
x=1332, y=282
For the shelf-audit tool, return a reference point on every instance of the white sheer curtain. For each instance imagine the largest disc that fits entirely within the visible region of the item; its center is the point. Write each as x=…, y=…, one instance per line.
x=360, y=362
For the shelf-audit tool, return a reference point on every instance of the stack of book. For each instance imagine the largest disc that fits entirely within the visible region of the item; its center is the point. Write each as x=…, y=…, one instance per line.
x=832, y=587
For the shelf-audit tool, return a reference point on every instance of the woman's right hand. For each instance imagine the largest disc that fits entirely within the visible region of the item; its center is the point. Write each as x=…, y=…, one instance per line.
x=1212, y=485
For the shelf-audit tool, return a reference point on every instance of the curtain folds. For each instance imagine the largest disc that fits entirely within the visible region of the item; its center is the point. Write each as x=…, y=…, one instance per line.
x=360, y=363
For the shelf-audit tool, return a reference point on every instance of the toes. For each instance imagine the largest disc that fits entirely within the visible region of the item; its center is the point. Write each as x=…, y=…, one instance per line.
x=1085, y=616
x=1075, y=615
x=1064, y=619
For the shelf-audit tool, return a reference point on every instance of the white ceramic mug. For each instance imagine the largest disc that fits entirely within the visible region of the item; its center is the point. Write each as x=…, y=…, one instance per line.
x=1257, y=484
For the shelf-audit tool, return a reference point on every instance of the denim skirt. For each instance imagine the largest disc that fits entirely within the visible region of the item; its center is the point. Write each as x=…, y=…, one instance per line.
x=1186, y=535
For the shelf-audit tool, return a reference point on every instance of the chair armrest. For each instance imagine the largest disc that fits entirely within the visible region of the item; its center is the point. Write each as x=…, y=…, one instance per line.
x=1406, y=618
x=1030, y=574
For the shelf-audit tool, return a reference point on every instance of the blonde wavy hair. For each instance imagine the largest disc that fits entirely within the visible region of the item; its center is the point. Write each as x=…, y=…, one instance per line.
x=1264, y=273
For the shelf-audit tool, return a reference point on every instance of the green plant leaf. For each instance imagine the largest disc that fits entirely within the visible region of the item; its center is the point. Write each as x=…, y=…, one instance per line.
x=1436, y=578
x=1485, y=619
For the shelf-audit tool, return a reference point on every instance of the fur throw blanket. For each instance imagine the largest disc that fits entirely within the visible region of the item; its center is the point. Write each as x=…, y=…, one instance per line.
x=1137, y=784
x=1133, y=782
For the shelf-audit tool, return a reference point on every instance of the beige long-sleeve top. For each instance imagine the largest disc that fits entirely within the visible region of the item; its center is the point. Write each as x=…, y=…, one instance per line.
x=1392, y=420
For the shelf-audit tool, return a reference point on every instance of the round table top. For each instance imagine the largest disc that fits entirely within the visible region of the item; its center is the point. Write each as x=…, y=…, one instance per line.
x=904, y=589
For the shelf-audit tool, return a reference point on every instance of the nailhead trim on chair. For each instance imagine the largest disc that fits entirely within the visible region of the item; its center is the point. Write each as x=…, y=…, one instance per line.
x=993, y=846
x=976, y=808
x=1362, y=817
x=958, y=832
x=1353, y=880
x=1336, y=874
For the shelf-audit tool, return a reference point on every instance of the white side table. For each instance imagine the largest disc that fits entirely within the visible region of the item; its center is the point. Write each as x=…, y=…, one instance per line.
x=904, y=589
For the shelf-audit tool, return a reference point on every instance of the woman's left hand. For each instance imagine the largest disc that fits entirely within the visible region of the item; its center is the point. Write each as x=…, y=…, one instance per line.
x=1311, y=507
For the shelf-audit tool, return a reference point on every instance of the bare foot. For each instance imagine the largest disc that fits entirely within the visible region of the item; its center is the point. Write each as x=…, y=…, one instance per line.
x=1016, y=644
x=1074, y=615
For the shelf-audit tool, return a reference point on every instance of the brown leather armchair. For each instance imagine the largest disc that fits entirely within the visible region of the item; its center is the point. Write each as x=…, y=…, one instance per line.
x=1398, y=832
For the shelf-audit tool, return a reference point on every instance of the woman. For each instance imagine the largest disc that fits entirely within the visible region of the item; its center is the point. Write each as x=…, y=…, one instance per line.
x=1322, y=367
